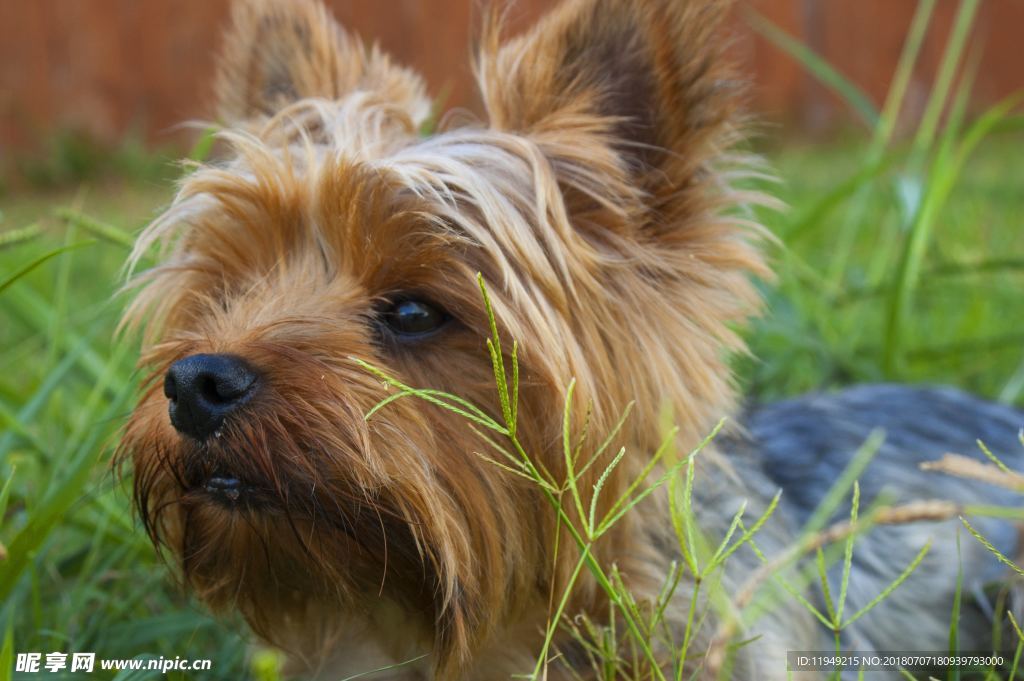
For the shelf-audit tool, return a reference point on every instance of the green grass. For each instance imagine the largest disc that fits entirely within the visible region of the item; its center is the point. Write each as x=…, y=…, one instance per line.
x=79, y=575
x=962, y=328
x=903, y=266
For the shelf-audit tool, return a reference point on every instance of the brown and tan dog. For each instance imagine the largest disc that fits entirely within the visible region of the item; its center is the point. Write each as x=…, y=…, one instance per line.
x=597, y=200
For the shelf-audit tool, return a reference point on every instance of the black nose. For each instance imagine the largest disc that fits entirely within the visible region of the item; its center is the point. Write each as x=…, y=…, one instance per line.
x=203, y=389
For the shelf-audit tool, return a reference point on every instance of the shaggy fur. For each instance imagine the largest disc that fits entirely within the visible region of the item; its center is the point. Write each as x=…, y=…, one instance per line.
x=596, y=199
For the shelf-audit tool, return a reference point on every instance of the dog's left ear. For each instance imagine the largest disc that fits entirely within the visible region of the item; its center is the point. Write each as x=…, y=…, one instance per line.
x=281, y=51
x=646, y=76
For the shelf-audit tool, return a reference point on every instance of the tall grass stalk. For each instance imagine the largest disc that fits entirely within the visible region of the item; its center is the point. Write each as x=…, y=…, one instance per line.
x=885, y=219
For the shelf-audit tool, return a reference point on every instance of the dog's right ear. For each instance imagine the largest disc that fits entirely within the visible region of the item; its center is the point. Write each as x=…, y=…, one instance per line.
x=281, y=51
x=646, y=78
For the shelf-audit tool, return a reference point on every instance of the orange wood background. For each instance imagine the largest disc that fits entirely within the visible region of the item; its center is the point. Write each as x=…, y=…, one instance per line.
x=111, y=66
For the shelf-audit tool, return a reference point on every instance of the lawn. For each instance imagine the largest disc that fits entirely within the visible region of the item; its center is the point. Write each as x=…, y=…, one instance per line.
x=859, y=297
x=826, y=319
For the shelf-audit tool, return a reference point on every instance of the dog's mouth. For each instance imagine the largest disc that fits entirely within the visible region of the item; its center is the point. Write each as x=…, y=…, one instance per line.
x=235, y=474
x=229, y=490
x=225, y=488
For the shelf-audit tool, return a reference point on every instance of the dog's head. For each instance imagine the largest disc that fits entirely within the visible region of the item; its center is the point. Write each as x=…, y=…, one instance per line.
x=594, y=200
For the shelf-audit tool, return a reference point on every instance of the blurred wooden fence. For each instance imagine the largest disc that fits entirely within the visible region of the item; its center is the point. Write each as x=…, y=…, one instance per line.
x=111, y=66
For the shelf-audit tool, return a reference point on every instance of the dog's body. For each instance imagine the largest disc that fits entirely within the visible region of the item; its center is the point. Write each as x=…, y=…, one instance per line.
x=597, y=202
x=803, y=445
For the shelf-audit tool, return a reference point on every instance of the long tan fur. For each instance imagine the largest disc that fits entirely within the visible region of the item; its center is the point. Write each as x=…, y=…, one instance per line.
x=597, y=202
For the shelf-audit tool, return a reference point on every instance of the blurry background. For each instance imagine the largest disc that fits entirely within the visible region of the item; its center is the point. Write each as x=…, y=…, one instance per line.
x=110, y=68
x=895, y=128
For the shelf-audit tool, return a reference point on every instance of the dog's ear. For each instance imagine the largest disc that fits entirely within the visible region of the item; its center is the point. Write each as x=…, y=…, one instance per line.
x=647, y=76
x=281, y=51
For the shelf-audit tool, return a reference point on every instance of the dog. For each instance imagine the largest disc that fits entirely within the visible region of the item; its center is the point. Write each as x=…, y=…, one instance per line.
x=321, y=275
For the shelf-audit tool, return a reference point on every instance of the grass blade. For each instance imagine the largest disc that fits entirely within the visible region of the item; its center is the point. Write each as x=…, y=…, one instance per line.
x=7, y=283
x=818, y=67
x=892, y=587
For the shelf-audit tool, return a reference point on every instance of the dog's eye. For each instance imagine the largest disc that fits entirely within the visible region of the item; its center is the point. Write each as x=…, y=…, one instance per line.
x=411, y=318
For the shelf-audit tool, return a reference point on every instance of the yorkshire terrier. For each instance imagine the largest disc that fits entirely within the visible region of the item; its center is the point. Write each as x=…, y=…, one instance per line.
x=599, y=202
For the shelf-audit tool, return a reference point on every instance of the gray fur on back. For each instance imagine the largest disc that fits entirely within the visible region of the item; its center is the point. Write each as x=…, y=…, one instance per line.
x=804, y=444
